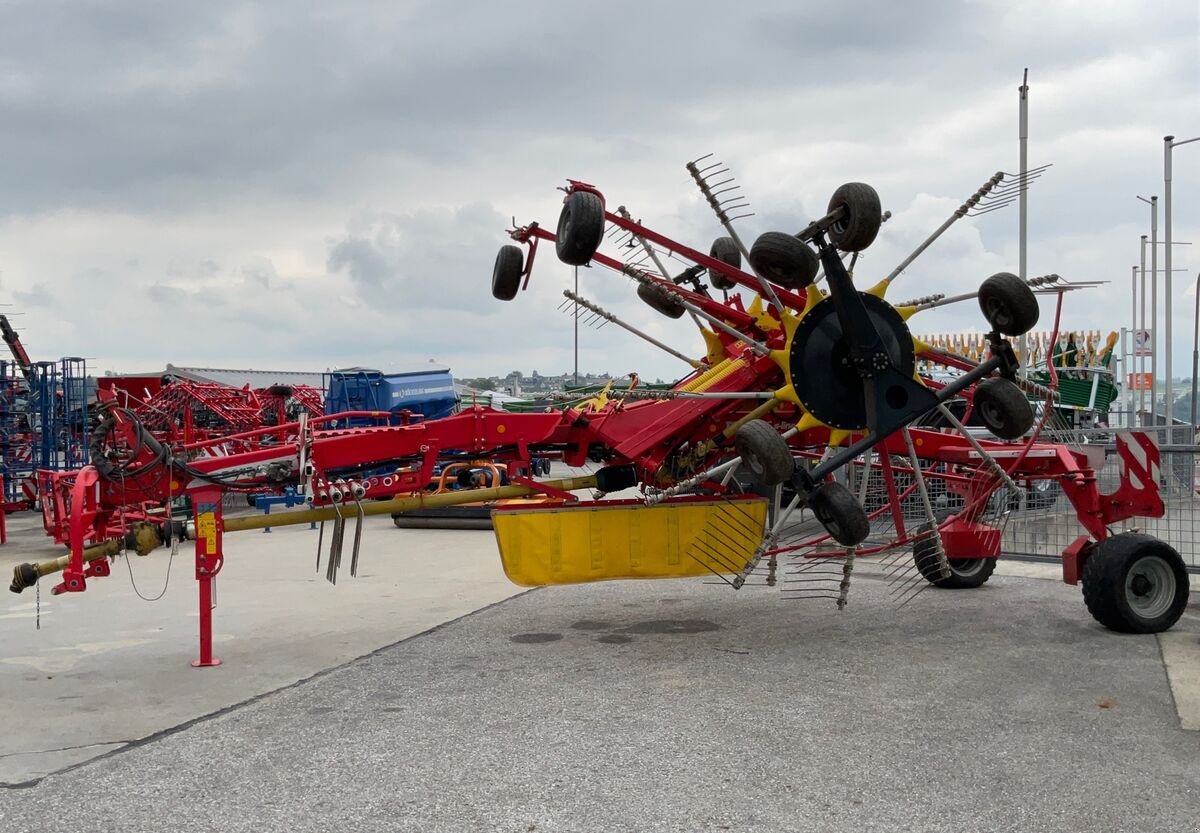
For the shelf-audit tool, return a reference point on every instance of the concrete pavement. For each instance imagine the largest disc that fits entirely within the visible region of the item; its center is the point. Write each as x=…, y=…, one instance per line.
x=684, y=706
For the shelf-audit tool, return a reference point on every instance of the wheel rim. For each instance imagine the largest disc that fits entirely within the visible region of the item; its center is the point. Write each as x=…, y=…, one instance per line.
x=965, y=567
x=829, y=522
x=996, y=312
x=991, y=414
x=1150, y=587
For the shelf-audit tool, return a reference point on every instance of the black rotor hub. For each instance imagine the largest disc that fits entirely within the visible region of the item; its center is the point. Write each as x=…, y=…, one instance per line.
x=828, y=381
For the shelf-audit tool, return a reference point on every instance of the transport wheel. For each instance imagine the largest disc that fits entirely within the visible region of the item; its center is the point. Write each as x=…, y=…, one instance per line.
x=1134, y=583
x=840, y=513
x=784, y=259
x=1003, y=408
x=726, y=251
x=580, y=228
x=1008, y=304
x=764, y=453
x=862, y=218
x=506, y=274
x=964, y=572
x=661, y=300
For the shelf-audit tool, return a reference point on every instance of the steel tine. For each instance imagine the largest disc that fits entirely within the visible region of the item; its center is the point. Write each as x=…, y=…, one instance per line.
x=358, y=525
x=708, y=567
x=321, y=535
x=716, y=557
x=335, y=544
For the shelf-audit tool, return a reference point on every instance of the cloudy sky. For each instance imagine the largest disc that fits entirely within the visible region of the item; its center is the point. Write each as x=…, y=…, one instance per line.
x=269, y=185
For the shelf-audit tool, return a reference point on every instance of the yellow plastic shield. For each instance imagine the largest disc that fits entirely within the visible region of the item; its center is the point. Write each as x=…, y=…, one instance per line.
x=627, y=539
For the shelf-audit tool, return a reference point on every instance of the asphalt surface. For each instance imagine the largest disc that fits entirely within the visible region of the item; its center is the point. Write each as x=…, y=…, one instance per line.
x=681, y=706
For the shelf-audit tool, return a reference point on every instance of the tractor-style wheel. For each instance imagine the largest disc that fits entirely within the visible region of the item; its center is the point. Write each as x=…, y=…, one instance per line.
x=580, y=228
x=1003, y=408
x=1133, y=583
x=1008, y=304
x=964, y=573
x=506, y=274
x=861, y=218
x=840, y=513
x=784, y=259
x=726, y=251
x=764, y=453
x=661, y=300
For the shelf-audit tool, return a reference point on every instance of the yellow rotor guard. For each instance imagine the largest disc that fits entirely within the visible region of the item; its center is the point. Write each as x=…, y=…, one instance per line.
x=628, y=540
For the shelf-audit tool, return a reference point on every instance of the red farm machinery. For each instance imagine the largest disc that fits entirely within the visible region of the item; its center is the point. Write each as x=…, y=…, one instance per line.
x=803, y=439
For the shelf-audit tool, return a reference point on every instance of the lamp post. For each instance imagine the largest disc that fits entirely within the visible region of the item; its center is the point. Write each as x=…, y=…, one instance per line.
x=1153, y=203
x=1142, y=358
x=576, y=327
x=1169, y=144
x=1195, y=353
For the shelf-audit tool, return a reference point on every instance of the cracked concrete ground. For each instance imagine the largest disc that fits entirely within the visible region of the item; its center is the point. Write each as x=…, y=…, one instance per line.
x=683, y=706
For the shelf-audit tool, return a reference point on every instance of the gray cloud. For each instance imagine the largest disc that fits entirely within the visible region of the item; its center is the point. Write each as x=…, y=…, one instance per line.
x=330, y=186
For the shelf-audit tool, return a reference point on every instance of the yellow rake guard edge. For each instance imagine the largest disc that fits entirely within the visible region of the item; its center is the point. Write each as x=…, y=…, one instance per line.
x=625, y=539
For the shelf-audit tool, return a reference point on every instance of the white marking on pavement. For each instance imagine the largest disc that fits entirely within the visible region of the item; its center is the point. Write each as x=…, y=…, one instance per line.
x=1181, y=655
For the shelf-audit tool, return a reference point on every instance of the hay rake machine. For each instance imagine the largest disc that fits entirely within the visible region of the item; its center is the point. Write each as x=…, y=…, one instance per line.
x=804, y=390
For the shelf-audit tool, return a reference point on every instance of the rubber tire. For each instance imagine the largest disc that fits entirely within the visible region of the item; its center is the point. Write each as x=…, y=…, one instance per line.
x=726, y=251
x=661, y=300
x=840, y=513
x=784, y=259
x=864, y=215
x=1003, y=408
x=580, y=228
x=764, y=453
x=965, y=573
x=1008, y=304
x=506, y=274
x=1104, y=575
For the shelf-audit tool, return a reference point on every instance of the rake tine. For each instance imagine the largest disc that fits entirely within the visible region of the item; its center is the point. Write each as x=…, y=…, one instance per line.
x=716, y=555
x=711, y=570
x=358, y=525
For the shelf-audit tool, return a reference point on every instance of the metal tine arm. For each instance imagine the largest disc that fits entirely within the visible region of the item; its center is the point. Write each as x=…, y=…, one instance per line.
x=600, y=312
x=701, y=177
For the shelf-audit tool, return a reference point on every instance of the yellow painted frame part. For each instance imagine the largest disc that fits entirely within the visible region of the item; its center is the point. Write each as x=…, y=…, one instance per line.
x=598, y=542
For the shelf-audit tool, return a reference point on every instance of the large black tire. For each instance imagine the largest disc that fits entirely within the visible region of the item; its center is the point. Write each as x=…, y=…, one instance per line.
x=1003, y=408
x=1134, y=583
x=764, y=453
x=661, y=300
x=506, y=274
x=784, y=259
x=965, y=573
x=726, y=251
x=840, y=513
x=580, y=228
x=1008, y=304
x=863, y=215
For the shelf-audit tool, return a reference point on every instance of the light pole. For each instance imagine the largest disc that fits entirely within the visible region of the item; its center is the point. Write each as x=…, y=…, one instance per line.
x=1195, y=347
x=1022, y=236
x=1142, y=358
x=1169, y=144
x=1131, y=365
x=1153, y=203
x=576, y=327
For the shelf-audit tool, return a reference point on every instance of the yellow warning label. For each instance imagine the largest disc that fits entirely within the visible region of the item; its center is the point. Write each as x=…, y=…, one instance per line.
x=206, y=528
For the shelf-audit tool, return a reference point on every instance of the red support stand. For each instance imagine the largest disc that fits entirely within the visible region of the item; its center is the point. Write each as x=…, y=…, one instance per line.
x=206, y=504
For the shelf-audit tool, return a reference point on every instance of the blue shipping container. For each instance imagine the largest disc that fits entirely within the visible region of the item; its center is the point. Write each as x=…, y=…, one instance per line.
x=430, y=394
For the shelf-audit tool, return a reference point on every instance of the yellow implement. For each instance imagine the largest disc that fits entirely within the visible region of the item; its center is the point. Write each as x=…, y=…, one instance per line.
x=571, y=544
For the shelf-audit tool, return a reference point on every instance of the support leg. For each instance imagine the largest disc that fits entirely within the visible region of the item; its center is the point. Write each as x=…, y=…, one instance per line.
x=209, y=558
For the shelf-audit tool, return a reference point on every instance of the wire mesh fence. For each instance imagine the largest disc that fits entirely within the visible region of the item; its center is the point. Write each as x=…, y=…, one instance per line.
x=1043, y=523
